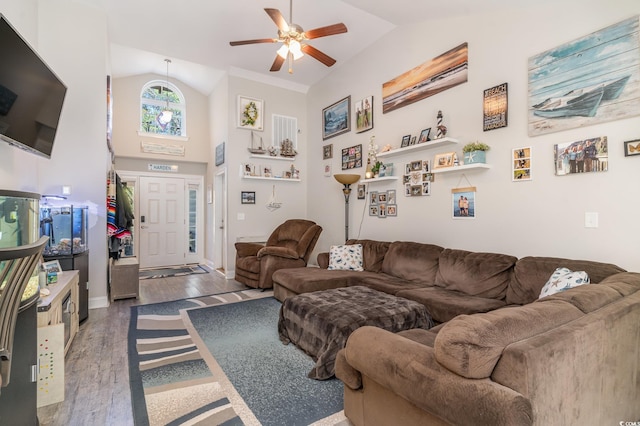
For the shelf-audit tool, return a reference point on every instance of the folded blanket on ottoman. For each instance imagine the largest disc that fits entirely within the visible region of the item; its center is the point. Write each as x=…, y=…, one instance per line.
x=320, y=322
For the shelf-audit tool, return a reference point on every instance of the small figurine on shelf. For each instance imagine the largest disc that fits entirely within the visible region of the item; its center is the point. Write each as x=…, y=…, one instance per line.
x=286, y=149
x=441, y=128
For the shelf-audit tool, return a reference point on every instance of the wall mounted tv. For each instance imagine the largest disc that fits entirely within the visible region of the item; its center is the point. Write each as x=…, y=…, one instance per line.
x=31, y=95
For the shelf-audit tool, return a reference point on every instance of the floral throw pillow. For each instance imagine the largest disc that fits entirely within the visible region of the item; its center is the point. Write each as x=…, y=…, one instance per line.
x=563, y=279
x=346, y=258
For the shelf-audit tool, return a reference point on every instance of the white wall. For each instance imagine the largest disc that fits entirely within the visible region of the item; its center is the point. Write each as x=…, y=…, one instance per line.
x=126, y=121
x=542, y=217
x=71, y=38
x=293, y=195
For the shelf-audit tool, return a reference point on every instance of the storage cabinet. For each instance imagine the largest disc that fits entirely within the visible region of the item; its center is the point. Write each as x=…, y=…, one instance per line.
x=80, y=263
x=124, y=278
x=61, y=306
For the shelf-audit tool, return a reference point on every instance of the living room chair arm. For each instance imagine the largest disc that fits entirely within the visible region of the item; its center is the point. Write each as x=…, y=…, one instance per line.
x=410, y=370
x=278, y=251
x=248, y=249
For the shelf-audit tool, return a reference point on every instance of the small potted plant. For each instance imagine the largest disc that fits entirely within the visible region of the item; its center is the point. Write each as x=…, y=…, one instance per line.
x=475, y=152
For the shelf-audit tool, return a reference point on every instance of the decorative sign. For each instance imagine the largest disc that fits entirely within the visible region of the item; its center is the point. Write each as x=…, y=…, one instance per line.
x=163, y=168
x=157, y=148
x=495, y=108
x=220, y=154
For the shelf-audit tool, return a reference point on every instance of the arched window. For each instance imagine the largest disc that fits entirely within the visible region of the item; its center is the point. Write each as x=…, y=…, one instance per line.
x=156, y=98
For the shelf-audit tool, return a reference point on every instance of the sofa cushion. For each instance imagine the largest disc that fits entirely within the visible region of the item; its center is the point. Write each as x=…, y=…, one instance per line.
x=563, y=279
x=347, y=257
x=305, y=280
x=373, y=253
x=531, y=273
x=443, y=305
x=382, y=282
x=471, y=345
x=477, y=274
x=586, y=298
x=412, y=261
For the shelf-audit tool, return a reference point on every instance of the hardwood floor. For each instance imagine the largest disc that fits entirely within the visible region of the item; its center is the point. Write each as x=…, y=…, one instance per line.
x=96, y=366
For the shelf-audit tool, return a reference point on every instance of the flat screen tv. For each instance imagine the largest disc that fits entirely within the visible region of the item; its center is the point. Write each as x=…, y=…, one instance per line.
x=31, y=95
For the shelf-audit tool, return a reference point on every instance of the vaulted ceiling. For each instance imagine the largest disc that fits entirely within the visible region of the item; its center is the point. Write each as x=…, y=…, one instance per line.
x=195, y=34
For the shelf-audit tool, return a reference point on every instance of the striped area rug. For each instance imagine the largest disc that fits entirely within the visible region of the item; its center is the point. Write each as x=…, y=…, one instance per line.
x=171, y=384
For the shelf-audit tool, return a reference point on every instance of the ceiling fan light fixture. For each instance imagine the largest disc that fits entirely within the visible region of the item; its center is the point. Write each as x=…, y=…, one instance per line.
x=283, y=51
x=295, y=49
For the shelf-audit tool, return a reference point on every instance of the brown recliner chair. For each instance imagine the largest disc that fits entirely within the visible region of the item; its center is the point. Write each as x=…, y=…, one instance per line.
x=289, y=246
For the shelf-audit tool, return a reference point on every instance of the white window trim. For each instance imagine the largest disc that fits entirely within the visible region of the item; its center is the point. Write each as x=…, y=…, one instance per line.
x=182, y=107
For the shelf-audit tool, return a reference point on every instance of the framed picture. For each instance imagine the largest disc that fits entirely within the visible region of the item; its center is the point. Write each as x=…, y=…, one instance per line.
x=364, y=114
x=352, y=157
x=336, y=118
x=494, y=107
x=391, y=196
x=382, y=210
x=392, y=210
x=463, y=201
x=373, y=198
x=422, y=81
x=327, y=170
x=382, y=198
x=632, y=148
x=444, y=160
x=220, y=154
x=373, y=210
x=521, y=164
x=592, y=85
x=586, y=156
x=52, y=266
x=405, y=141
x=327, y=151
x=250, y=113
x=424, y=135
x=266, y=171
x=249, y=169
x=361, y=191
x=248, y=197
x=413, y=140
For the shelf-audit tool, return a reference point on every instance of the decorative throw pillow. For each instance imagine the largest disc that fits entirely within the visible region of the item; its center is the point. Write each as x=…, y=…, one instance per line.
x=563, y=279
x=346, y=257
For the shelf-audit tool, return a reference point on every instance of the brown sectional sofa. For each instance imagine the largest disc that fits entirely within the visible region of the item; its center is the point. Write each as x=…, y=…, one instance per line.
x=500, y=355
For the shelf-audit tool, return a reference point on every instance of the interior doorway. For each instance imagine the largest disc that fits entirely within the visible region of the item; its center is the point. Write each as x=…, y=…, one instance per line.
x=220, y=221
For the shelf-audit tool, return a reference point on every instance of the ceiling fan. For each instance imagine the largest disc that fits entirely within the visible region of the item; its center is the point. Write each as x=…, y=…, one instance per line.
x=292, y=37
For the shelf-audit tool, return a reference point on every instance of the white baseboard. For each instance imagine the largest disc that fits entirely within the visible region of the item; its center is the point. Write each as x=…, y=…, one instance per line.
x=98, y=302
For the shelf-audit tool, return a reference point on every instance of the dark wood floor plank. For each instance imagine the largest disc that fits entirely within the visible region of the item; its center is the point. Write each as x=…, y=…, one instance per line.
x=96, y=366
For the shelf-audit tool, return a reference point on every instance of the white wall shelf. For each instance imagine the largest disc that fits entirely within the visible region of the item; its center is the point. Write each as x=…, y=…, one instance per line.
x=272, y=157
x=461, y=168
x=271, y=178
x=418, y=147
x=380, y=179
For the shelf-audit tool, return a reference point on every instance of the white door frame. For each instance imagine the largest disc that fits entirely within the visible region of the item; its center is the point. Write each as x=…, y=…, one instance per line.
x=130, y=176
x=220, y=219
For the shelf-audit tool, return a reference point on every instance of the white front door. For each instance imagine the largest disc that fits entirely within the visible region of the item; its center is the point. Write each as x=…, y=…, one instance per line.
x=162, y=221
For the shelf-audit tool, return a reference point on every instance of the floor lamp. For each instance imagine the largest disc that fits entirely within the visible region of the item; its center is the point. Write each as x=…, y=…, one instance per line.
x=346, y=180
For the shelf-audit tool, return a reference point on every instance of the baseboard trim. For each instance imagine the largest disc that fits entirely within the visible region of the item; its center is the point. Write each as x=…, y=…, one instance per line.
x=98, y=302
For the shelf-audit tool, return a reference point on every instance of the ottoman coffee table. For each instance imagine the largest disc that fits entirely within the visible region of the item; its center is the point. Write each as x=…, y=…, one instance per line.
x=320, y=322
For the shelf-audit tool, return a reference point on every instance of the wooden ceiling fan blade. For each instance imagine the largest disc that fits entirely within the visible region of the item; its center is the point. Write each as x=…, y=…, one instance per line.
x=278, y=19
x=255, y=41
x=326, y=31
x=277, y=63
x=315, y=53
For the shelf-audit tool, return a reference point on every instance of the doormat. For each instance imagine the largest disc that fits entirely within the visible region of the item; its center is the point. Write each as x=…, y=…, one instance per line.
x=176, y=271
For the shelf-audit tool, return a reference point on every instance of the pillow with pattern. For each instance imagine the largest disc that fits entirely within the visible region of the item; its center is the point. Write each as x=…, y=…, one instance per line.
x=563, y=279
x=346, y=258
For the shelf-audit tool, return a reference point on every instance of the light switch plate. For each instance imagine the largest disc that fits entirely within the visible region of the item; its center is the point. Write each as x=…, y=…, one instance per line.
x=591, y=220
x=240, y=216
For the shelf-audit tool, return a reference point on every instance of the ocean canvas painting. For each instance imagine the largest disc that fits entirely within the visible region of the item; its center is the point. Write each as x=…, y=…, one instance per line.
x=590, y=80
